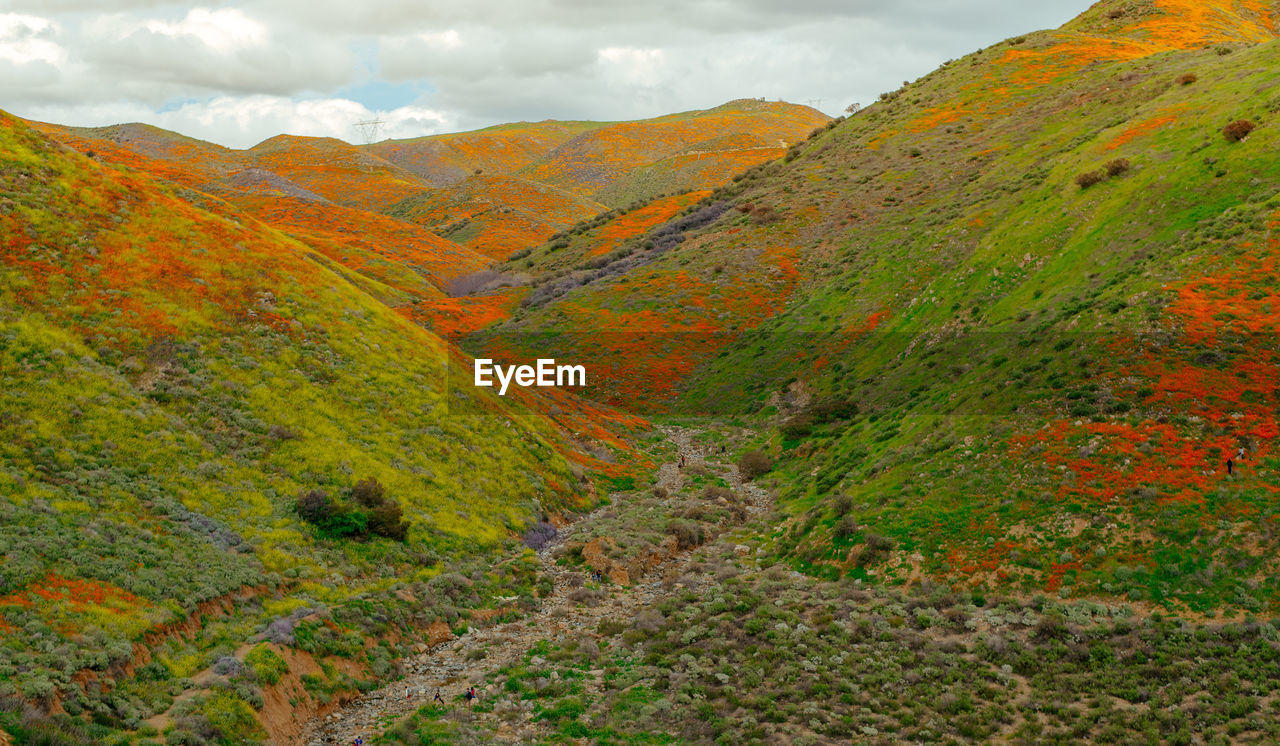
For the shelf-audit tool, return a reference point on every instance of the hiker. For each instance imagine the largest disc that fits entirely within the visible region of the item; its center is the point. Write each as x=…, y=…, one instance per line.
x=1231, y=467
x=471, y=696
x=1240, y=454
x=682, y=461
x=407, y=694
x=722, y=449
x=438, y=698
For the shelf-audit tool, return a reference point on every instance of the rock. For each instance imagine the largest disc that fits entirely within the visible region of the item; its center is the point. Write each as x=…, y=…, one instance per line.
x=595, y=552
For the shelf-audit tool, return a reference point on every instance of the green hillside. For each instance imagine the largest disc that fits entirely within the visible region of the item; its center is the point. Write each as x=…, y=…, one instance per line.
x=1009, y=322
x=174, y=379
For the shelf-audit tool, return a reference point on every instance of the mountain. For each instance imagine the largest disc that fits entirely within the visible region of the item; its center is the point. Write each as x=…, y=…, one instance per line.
x=399, y=262
x=530, y=181
x=177, y=381
x=995, y=357
x=497, y=190
x=1011, y=321
x=229, y=438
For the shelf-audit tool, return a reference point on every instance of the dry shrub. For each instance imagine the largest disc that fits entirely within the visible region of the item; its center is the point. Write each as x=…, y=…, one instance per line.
x=1238, y=130
x=1118, y=166
x=586, y=596
x=716, y=492
x=1089, y=178
x=1187, y=78
x=753, y=464
x=649, y=620
x=688, y=535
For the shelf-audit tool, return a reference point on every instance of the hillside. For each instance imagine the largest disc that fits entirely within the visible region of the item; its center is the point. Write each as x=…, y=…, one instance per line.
x=175, y=379
x=494, y=214
x=399, y=263
x=1017, y=378
x=952, y=421
x=530, y=182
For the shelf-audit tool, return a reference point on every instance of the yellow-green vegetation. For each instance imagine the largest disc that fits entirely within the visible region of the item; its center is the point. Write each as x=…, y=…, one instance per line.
x=267, y=664
x=173, y=379
x=971, y=364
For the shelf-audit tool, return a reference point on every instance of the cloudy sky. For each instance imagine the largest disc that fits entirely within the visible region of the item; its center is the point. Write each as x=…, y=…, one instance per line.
x=239, y=72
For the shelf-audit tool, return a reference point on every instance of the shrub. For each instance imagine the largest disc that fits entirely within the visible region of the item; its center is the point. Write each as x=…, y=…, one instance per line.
x=1187, y=78
x=377, y=514
x=368, y=492
x=387, y=520
x=846, y=528
x=797, y=426
x=765, y=215
x=539, y=535
x=228, y=665
x=1118, y=166
x=716, y=492
x=1052, y=626
x=688, y=535
x=877, y=548
x=833, y=409
x=842, y=506
x=649, y=620
x=268, y=667
x=754, y=464
x=314, y=506
x=586, y=596
x=1238, y=130
x=1089, y=178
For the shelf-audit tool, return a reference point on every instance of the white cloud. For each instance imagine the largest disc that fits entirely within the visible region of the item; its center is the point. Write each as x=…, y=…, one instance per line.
x=244, y=121
x=450, y=39
x=633, y=67
x=224, y=30
x=25, y=40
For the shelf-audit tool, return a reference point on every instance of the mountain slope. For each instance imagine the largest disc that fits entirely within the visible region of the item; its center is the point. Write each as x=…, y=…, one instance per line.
x=693, y=150
x=173, y=380
x=1047, y=372
x=413, y=261
x=496, y=215
x=443, y=160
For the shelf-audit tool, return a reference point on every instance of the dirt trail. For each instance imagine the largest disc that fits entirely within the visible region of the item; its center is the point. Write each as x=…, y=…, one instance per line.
x=449, y=668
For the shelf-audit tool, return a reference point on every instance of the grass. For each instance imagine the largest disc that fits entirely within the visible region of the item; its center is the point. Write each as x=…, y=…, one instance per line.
x=1029, y=358
x=168, y=392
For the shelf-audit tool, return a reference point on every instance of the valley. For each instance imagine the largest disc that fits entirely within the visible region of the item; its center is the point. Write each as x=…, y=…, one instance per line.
x=952, y=420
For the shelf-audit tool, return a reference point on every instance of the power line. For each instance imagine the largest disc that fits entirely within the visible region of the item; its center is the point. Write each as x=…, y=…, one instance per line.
x=369, y=130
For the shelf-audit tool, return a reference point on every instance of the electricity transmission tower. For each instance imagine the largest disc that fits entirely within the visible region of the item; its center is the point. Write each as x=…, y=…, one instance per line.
x=369, y=130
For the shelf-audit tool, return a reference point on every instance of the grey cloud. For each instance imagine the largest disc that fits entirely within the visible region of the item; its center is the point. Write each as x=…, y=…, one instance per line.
x=514, y=59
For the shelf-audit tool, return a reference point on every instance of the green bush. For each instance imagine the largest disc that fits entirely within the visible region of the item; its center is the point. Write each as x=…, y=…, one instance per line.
x=373, y=514
x=267, y=665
